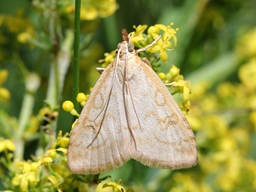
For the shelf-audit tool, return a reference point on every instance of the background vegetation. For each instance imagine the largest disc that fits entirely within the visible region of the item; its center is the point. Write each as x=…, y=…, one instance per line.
x=216, y=51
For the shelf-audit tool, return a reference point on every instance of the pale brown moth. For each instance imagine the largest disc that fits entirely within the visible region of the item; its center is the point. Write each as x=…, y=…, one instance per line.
x=130, y=114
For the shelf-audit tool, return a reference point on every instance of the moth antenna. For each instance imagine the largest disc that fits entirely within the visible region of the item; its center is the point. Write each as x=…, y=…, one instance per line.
x=148, y=46
x=125, y=35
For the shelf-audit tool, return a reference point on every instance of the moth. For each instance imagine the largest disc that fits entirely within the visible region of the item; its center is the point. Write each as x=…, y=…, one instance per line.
x=130, y=114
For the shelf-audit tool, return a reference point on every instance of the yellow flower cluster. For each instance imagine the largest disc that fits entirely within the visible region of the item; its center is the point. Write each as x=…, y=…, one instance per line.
x=46, y=171
x=111, y=187
x=91, y=10
x=4, y=93
x=139, y=39
x=6, y=144
x=176, y=80
x=224, y=121
x=246, y=45
x=109, y=58
x=19, y=25
x=82, y=98
x=26, y=175
x=247, y=74
x=68, y=106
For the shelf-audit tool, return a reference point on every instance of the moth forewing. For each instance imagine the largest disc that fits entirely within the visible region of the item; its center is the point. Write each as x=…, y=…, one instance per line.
x=130, y=114
x=172, y=144
x=101, y=122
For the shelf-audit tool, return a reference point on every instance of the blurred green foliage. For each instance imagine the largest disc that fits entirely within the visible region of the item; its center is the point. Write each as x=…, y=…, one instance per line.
x=216, y=51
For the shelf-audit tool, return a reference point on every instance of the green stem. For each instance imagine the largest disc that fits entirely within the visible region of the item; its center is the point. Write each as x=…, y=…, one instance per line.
x=76, y=52
x=57, y=82
x=32, y=84
x=58, y=69
x=53, y=92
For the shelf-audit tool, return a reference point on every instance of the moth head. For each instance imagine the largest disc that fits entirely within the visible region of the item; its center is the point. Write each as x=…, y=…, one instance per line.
x=124, y=46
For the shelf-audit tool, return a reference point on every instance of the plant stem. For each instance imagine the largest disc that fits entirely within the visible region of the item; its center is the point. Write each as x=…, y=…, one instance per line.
x=32, y=84
x=76, y=52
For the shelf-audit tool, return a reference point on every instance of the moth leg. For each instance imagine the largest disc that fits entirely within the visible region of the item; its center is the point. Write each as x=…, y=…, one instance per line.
x=146, y=61
x=170, y=84
x=100, y=70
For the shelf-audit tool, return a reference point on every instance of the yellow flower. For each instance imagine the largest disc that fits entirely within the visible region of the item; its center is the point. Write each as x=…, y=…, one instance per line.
x=161, y=46
x=252, y=118
x=173, y=75
x=88, y=13
x=3, y=76
x=47, y=160
x=82, y=98
x=169, y=32
x=227, y=144
x=186, y=182
x=61, y=141
x=108, y=8
x=91, y=10
x=137, y=36
x=34, y=166
x=51, y=153
x=139, y=39
x=162, y=76
x=24, y=37
x=68, y=106
x=109, y=187
x=174, y=71
x=184, y=88
x=4, y=93
x=63, y=150
x=139, y=30
x=153, y=30
x=246, y=46
x=217, y=127
x=199, y=90
x=47, y=157
x=109, y=58
x=247, y=74
x=24, y=180
x=226, y=90
x=27, y=166
x=53, y=180
x=220, y=156
x=6, y=144
x=194, y=122
x=16, y=180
